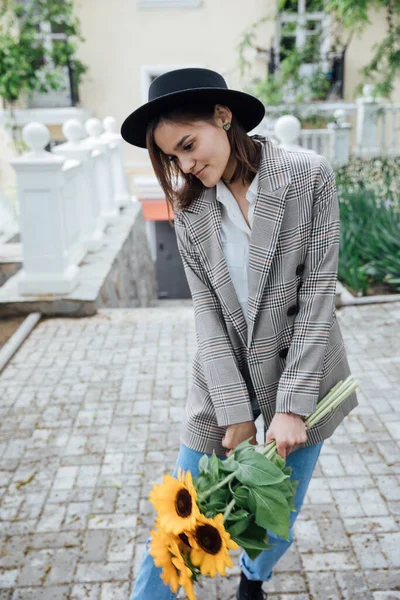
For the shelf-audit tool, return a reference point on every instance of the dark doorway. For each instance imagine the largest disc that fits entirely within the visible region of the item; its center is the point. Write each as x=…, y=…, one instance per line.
x=171, y=276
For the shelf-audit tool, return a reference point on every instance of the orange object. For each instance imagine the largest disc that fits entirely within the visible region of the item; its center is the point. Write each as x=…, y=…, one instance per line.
x=156, y=210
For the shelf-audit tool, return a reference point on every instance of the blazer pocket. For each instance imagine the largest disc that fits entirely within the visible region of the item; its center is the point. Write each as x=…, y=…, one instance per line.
x=234, y=254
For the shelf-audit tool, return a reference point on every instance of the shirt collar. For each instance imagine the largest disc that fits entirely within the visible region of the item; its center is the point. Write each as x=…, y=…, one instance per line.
x=225, y=196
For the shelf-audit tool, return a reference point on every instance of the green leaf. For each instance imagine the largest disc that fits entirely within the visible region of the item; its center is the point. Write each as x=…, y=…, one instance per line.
x=243, y=448
x=229, y=465
x=279, y=461
x=255, y=532
x=271, y=510
x=249, y=543
x=238, y=527
x=241, y=495
x=204, y=463
x=255, y=470
x=238, y=515
x=214, y=467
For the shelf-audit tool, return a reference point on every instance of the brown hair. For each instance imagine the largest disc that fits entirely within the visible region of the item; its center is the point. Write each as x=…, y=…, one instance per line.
x=246, y=151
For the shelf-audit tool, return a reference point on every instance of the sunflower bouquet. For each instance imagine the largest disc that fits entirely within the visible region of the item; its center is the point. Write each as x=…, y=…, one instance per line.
x=232, y=503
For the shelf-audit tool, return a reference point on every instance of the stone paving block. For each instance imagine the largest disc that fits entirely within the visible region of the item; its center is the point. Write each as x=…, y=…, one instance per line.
x=386, y=595
x=62, y=566
x=51, y=593
x=308, y=536
x=121, y=546
x=115, y=591
x=36, y=566
x=323, y=586
x=52, y=517
x=390, y=545
x=85, y=591
x=113, y=521
x=286, y=582
x=348, y=503
x=370, y=524
x=8, y=577
x=329, y=561
x=95, y=546
x=333, y=534
x=97, y=572
x=353, y=585
x=383, y=579
x=368, y=551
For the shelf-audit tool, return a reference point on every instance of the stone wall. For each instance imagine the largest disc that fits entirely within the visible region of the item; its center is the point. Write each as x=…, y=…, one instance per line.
x=121, y=274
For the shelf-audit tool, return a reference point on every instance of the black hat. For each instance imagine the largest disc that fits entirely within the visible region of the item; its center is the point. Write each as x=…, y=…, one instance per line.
x=185, y=86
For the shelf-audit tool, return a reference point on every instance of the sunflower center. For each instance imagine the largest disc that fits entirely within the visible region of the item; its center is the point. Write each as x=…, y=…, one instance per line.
x=183, y=503
x=209, y=539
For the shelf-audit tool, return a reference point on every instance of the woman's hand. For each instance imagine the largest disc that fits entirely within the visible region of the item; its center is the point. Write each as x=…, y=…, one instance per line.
x=288, y=430
x=238, y=433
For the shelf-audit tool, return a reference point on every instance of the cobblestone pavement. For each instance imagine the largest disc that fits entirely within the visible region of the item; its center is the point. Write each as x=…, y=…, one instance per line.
x=90, y=413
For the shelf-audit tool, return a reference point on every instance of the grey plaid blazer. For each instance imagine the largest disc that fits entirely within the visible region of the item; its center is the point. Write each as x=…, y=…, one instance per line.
x=291, y=353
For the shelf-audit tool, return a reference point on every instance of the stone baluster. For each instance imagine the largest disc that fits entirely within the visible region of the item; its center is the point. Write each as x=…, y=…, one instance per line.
x=367, y=133
x=49, y=216
x=114, y=139
x=340, y=141
x=103, y=169
x=287, y=130
x=90, y=205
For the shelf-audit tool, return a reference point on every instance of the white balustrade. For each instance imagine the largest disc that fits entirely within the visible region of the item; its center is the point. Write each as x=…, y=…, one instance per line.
x=340, y=141
x=89, y=198
x=367, y=143
x=287, y=130
x=114, y=139
x=103, y=169
x=48, y=193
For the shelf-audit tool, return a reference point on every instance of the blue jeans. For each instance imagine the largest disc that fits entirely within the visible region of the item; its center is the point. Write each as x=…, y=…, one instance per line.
x=149, y=583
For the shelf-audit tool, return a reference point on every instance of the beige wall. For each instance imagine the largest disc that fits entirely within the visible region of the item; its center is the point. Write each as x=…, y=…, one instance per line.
x=121, y=37
x=360, y=52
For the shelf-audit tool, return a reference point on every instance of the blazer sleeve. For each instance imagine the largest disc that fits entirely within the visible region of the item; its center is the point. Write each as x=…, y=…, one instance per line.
x=226, y=385
x=299, y=383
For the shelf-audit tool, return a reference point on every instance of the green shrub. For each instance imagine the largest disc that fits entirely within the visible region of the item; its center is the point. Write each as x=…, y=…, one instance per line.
x=369, y=194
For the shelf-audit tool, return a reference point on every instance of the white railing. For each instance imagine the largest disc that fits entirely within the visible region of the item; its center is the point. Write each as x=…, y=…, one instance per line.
x=66, y=199
x=376, y=129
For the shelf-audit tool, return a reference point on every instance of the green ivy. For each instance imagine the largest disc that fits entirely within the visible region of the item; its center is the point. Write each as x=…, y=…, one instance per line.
x=27, y=65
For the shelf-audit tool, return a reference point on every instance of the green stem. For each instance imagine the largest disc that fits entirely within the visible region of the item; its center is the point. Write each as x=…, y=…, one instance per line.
x=217, y=486
x=229, y=508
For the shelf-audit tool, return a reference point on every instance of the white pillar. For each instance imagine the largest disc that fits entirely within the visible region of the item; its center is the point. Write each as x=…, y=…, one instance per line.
x=48, y=218
x=367, y=123
x=287, y=129
x=89, y=199
x=340, y=141
x=121, y=186
x=104, y=181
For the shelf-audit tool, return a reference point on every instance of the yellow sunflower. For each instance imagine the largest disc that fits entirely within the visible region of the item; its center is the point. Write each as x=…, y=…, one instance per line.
x=185, y=574
x=175, y=502
x=159, y=549
x=210, y=543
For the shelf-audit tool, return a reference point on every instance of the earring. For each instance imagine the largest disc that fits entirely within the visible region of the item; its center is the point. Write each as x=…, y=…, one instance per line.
x=226, y=126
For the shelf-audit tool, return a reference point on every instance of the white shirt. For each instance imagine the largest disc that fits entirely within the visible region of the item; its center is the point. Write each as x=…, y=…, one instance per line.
x=235, y=237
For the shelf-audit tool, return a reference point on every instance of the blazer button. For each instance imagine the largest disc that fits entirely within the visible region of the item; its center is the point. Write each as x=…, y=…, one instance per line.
x=292, y=310
x=283, y=353
x=300, y=270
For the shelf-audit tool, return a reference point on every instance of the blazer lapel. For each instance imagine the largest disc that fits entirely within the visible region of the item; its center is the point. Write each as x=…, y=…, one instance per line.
x=205, y=218
x=274, y=182
x=205, y=231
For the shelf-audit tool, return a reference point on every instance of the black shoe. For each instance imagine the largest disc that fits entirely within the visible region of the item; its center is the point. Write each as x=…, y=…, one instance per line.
x=249, y=590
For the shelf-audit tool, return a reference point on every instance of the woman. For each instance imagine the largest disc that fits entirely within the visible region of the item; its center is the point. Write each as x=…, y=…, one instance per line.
x=258, y=232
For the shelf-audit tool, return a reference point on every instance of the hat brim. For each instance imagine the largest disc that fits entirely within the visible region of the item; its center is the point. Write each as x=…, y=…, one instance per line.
x=247, y=109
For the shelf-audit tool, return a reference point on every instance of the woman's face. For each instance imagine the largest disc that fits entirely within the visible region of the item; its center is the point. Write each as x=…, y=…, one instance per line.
x=199, y=148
